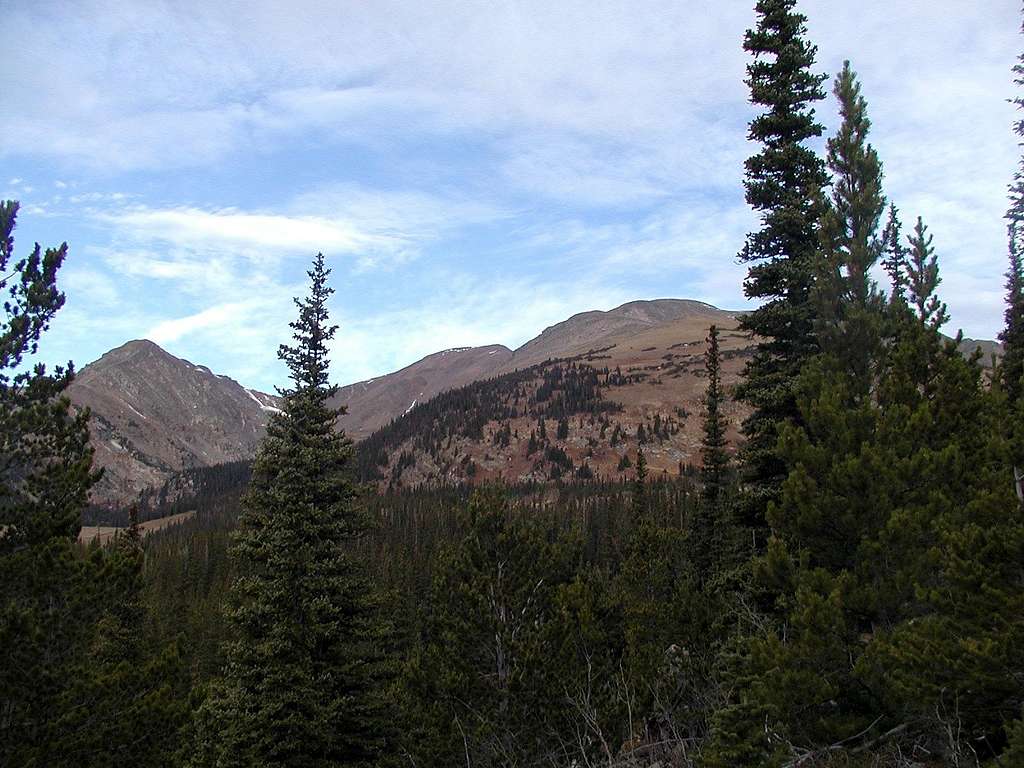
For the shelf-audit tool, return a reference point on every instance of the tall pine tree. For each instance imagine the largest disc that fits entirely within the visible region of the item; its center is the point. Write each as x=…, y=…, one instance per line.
x=849, y=306
x=896, y=550
x=46, y=614
x=923, y=278
x=782, y=184
x=809, y=530
x=306, y=672
x=715, y=459
x=1011, y=369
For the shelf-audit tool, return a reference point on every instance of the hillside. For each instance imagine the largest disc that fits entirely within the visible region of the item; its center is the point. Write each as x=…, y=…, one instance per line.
x=456, y=415
x=578, y=416
x=372, y=404
x=154, y=415
x=590, y=330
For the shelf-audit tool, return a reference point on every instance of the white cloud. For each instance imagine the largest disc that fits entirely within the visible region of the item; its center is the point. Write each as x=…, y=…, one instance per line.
x=199, y=228
x=88, y=286
x=223, y=318
x=378, y=227
x=614, y=130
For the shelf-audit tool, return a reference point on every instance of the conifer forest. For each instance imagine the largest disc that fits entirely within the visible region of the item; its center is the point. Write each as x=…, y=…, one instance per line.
x=841, y=586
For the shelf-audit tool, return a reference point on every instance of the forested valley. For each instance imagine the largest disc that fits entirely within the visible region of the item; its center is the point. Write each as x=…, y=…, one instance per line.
x=843, y=588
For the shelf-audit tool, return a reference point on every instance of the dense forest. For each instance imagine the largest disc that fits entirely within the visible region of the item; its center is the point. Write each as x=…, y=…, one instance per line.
x=846, y=590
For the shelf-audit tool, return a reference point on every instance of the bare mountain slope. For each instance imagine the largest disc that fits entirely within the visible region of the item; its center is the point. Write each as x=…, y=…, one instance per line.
x=636, y=383
x=154, y=414
x=593, y=330
x=372, y=404
x=638, y=364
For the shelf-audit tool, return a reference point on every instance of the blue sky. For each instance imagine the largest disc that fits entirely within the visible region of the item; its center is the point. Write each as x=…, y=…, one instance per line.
x=474, y=172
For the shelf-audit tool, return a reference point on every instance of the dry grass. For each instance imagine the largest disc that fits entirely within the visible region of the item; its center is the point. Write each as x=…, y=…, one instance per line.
x=104, y=533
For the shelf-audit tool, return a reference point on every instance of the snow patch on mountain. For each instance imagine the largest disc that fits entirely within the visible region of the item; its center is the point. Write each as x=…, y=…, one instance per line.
x=261, y=404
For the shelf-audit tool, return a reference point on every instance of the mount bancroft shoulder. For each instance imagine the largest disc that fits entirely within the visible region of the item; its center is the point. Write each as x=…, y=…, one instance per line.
x=640, y=364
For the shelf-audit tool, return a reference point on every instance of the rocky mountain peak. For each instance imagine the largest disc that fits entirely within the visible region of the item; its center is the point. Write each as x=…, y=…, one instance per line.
x=155, y=414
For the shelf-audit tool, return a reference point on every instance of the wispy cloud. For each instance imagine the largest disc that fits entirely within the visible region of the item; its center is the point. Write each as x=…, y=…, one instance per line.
x=472, y=172
x=376, y=226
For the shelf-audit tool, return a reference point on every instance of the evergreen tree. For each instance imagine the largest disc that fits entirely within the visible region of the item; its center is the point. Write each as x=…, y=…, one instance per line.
x=715, y=459
x=483, y=691
x=1011, y=368
x=837, y=382
x=782, y=184
x=305, y=677
x=849, y=305
x=562, y=432
x=129, y=693
x=895, y=257
x=896, y=550
x=640, y=486
x=46, y=611
x=1012, y=335
x=923, y=278
x=1015, y=212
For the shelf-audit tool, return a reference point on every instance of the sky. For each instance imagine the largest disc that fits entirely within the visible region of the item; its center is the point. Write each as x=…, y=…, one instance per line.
x=472, y=171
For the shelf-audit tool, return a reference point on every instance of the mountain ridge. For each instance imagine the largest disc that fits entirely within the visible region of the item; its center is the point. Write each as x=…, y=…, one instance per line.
x=156, y=415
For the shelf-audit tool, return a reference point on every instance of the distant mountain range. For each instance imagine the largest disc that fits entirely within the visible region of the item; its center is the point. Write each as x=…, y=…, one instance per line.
x=601, y=383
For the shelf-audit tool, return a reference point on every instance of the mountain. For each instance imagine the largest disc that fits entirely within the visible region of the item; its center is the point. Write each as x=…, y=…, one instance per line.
x=372, y=404
x=991, y=351
x=577, y=401
x=456, y=415
x=154, y=414
x=590, y=330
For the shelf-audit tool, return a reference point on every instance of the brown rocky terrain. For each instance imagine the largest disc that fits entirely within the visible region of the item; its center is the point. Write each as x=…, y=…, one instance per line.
x=604, y=374
x=102, y=534
x=590, y=330
x=460, y=414
x=154, y=414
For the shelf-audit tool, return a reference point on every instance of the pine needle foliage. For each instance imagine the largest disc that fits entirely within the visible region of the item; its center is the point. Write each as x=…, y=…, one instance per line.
x=782, y=185
x=45, y=477
x=305, y=676
x=1012, y=335
x=715, y=458
x=923, y=278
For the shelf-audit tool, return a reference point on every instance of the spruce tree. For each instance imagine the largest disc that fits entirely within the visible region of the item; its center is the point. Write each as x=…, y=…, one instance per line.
x=640, y=487
x=895, y=255
x=482, y=690
x=306, y=671
x=128, y=691
x=782, y=184
x=1011, y=367
x=715, y=459
x=813, y=534
x=896, y=548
